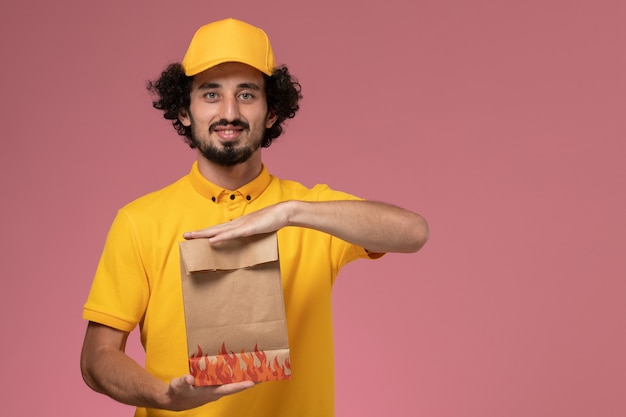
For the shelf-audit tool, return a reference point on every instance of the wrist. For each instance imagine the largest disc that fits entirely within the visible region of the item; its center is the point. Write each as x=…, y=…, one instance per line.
x=292, y=209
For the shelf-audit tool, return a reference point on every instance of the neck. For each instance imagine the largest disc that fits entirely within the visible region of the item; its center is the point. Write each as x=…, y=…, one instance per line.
x=233, y=177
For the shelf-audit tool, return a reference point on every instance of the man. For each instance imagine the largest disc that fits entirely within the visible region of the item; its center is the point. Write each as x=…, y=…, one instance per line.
x=228, y=100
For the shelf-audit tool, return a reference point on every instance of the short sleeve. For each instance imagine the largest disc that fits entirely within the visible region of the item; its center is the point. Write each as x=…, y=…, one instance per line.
x=120, y=290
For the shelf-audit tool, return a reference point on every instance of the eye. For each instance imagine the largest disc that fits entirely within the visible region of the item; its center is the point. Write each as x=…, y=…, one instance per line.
x=246, y=96
x=211, y=95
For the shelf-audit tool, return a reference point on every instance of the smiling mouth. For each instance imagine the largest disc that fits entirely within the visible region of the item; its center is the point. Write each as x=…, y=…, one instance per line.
x=229, y=126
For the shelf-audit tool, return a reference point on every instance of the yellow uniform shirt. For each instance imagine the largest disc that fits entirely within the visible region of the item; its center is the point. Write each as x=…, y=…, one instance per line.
x=138, y=282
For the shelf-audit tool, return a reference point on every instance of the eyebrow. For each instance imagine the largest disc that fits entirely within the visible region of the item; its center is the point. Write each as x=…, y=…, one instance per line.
x=207, y=86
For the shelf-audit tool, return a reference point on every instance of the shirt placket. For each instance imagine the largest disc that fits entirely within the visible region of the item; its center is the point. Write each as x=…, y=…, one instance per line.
x=233, y=204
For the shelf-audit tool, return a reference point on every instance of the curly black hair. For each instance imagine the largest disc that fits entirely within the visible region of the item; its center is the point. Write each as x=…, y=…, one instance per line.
x=173, y=88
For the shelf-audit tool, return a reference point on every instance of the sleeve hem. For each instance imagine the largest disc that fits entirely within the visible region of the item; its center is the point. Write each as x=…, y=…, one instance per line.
x=108, y=320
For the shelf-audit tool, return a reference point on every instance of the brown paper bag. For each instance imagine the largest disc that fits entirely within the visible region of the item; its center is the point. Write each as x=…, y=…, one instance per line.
x=234, y=310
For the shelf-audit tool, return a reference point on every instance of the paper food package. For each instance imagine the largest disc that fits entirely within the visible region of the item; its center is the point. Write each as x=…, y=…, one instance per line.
x=234, y=310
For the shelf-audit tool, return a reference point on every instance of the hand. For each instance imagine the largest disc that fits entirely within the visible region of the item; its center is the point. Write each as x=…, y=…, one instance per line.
x=183, y=395
x=266, y=220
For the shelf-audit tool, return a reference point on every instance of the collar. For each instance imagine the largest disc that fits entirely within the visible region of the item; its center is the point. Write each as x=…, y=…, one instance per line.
x=248, y=192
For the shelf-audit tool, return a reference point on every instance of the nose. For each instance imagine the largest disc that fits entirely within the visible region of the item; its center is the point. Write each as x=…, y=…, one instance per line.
x=230, y=109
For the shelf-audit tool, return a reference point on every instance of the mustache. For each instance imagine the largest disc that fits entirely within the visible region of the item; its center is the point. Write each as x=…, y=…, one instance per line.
x=224, y=122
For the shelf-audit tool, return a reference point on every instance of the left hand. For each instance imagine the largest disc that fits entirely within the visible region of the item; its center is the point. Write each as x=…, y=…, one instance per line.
x=266, y=220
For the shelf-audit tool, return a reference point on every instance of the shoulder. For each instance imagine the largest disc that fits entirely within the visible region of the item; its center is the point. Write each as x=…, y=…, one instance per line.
x=290, y=189
x=160, y=199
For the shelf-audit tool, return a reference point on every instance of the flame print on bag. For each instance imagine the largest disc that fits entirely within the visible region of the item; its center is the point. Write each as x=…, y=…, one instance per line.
x=225, y=367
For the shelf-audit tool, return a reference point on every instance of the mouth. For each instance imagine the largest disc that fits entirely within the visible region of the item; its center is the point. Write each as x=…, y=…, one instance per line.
x=228, y=133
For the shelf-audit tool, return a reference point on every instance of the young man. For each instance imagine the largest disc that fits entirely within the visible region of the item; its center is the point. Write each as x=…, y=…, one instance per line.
x=228, y=100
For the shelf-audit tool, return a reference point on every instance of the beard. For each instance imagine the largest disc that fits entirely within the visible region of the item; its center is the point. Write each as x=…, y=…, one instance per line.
x=229, y=155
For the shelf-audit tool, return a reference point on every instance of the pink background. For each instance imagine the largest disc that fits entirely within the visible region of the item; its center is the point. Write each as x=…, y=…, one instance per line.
x=502, y=122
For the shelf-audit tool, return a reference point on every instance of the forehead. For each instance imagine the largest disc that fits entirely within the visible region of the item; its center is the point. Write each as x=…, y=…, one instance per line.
x=229, y=73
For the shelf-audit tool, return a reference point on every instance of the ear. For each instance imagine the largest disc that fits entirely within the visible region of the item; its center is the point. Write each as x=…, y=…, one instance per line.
x=183, y=116
x=270, y=119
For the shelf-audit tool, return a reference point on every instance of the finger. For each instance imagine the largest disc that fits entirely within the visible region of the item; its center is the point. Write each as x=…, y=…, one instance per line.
x=182, y=382
x=190, y=235
x=229, y=234
x=200, y=234
x=210, y=231
x=228, y=389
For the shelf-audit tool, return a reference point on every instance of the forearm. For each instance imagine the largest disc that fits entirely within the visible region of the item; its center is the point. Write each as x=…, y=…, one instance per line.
x=377, y=227
x=108, y=370
x=120, y=378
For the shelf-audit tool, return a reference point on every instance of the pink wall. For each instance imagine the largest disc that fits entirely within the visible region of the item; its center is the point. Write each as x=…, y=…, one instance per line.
x=502, y=122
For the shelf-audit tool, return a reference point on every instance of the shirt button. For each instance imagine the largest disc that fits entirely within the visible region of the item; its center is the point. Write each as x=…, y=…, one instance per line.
x=232, y=196
x=213, y=199
x=248, y=198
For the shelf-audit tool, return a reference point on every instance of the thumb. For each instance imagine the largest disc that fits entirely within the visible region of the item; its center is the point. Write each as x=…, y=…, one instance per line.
x=182, y=382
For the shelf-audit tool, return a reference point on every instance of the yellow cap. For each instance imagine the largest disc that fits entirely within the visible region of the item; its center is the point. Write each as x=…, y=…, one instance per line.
x=228, y=40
